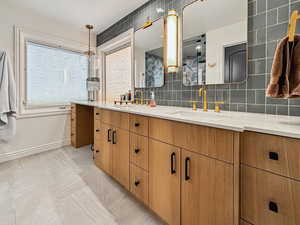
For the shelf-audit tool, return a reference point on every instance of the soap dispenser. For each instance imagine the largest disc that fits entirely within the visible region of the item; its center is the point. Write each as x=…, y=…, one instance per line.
x=152, y=101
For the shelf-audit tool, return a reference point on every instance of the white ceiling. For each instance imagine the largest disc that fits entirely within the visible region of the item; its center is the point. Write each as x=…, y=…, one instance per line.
x=101, y=13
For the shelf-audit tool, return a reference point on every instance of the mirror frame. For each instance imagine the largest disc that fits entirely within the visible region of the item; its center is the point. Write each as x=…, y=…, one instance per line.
x=181, y=49
x=163, y=46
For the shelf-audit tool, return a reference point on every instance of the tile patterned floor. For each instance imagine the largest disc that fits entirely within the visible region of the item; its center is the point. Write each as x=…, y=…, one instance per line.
x=63, y=187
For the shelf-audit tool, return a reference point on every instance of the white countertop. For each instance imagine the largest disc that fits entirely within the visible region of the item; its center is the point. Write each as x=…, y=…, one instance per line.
x=287, y=126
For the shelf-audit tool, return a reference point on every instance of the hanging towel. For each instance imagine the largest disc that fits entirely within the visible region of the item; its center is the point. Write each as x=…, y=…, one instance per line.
x=285, y=74
x=8, y=100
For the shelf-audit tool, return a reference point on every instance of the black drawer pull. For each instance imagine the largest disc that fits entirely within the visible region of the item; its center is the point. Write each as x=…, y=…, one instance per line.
x=136, y=183
x=137, y=151
x=108, y=135
x=97, y=151
x=173, y=163
x=97, y=114
x=114, y=137
x=274, y=156
x=97, y=130
x=137, y=124
x=273, y=207
x=187, y=168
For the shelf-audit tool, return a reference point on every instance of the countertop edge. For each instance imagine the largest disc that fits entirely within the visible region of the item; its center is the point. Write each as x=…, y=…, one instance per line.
x=212, y=124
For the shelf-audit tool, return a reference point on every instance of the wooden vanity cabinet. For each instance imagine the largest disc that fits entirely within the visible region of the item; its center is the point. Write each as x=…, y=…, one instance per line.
x=275, y=154
x=120, y=156
x=269, y=199
x=186, y=174
x=82, y=125
x=111, y=150
x=139, y=183
x=207, y=191
x=164, y=181
x=103, y=149
x=139, y=153
x=212, y=142
x=270, y=185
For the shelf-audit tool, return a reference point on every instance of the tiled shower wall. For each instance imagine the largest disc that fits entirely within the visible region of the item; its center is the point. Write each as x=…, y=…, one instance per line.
x=267, y=23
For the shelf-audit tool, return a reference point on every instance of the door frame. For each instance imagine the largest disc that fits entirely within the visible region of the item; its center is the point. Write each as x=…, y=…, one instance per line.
x=123, y=40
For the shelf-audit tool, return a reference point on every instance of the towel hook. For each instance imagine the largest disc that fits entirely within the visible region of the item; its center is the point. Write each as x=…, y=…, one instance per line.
x=292, y=25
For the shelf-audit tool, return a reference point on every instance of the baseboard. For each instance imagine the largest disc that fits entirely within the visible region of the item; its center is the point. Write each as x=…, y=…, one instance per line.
x=33, y=150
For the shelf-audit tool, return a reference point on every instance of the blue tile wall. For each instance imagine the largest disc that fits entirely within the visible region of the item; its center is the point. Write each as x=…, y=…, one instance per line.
x=267, y=24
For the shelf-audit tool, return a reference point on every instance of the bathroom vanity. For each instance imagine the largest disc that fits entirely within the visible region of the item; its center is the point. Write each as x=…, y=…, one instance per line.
x=194, y=168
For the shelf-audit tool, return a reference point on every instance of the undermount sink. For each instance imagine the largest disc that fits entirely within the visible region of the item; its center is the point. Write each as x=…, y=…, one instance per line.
x=210, y=114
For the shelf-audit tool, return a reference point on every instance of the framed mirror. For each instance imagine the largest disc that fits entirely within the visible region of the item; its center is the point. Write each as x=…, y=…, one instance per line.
x=148, y=56
x=214, y=42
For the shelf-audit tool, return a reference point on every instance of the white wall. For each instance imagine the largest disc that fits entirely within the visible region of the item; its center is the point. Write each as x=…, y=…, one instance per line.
x=39, y=133
x=216, y=40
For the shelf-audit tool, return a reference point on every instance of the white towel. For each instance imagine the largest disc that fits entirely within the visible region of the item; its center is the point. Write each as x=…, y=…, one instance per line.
x=8, y=97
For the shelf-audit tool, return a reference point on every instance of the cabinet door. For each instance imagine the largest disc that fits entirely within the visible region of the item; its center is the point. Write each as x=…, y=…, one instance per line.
x=103, y=157
x=164, y=181
x=206, y=191
x=120, y=140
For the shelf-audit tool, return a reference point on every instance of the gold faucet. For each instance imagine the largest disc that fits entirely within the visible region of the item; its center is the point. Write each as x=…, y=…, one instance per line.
x=194, y=105
x=217, y=106
x=203, y=94
x=141, y=99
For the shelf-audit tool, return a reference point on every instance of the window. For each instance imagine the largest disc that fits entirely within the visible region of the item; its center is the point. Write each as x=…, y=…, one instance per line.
x=54, y=76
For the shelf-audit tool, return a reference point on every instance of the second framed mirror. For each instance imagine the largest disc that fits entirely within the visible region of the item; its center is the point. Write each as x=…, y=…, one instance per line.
x=214, y=44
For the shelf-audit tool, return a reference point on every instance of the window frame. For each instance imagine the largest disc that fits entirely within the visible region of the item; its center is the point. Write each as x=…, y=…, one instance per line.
x=23, y=36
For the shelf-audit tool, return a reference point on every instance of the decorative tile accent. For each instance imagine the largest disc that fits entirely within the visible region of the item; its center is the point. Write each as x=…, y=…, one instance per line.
x=267, y=24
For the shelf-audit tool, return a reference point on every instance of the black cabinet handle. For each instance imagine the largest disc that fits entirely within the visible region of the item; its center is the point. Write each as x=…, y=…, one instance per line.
x=97, y=130
x=137, y=124
x=187, y=168
x=97, y=114
x=274, y=156
x=273, y=206
x=136, y=183
x=114, y=137
x=97, y=151
x=137, y=151
x=173, y=163
x=108, y=135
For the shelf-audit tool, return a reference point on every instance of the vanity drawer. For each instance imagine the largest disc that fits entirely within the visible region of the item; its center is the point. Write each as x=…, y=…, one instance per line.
x=139, y=150
x=212, y=142
x=276, y=154
x=97, y=113
x=139, y=124
x=269, y=199
x=139, y=184
x=117, y=119
x=97, y=127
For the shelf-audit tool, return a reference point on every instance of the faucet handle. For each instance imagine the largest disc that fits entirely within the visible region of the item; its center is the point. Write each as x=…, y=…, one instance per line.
x=217, y=106
x=194, y=105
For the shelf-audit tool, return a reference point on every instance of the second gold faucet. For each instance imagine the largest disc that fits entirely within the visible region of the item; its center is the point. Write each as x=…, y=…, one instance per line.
x=203, y=94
